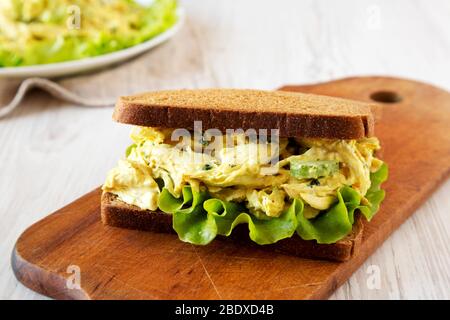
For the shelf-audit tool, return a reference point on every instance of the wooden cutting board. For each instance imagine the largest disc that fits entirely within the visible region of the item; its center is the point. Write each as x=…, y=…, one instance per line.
x=124, y=264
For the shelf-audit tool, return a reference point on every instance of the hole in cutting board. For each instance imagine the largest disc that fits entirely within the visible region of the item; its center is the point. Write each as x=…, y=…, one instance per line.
x=386, y=97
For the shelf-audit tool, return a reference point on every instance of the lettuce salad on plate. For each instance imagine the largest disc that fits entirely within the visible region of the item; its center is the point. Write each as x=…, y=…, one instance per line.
x=34, y=32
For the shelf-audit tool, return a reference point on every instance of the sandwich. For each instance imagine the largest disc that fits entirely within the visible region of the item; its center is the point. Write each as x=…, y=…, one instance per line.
x=290, y=172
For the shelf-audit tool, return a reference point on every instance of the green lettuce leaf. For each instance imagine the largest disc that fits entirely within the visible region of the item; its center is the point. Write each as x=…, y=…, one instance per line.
x=336, y=222
x=198, y=218
x=329, y=226
x=198, y=221
x=375, y=195
x=228, y=215
x=189, y=221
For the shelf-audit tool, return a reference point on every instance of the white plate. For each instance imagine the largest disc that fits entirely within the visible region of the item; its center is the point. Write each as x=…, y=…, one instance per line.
x=90, y=64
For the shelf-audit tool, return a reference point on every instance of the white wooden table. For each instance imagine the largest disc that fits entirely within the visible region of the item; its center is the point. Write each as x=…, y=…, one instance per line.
x=51, y=153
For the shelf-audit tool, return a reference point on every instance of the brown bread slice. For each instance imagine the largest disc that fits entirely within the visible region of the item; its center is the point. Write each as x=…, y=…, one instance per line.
x=119, y=214
x=294, y=114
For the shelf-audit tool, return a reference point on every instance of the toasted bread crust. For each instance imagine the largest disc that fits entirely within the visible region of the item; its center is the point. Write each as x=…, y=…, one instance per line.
x=116, y=213
x=294, y=114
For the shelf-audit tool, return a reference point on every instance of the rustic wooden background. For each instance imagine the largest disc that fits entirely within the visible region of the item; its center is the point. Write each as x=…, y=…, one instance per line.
x=52, y=152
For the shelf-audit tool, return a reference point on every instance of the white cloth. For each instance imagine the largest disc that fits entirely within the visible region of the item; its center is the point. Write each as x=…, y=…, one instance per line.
x=53, y=88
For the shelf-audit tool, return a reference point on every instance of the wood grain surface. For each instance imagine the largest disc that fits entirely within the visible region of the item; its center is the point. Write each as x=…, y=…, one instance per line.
x=53, y=152
x=125, y=264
